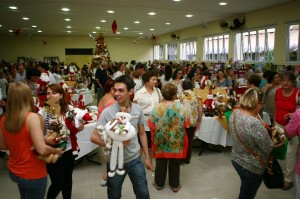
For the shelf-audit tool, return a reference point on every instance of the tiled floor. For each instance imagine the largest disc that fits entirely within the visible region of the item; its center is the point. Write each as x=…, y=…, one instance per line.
x=209, y=176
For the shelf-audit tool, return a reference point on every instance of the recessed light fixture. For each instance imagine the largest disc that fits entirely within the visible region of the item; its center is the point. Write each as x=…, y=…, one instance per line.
x=151, y=29
x=94, y=32
x=118, y=33
x=13, y=7
x=97, y=27
x=69, y=31
x=39, y=31
x=65, y=9
x=67, y=19
x=168, y=23
x=151, y=13
x=10, y=31
x=137, y=22
x=141, y=33
x=68, y=27
x=176, y=0
x=223, y=3
x=0, y=25
x=111, y=11
x=34, y=26
x=103, y=21
x=26, y=18
x=189, y=16
x=125, y=28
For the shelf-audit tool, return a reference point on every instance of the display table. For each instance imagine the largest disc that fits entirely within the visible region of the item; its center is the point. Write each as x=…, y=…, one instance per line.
x=83, y=140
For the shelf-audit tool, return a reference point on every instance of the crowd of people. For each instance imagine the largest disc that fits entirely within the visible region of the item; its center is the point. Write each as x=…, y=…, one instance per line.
x=165, y=112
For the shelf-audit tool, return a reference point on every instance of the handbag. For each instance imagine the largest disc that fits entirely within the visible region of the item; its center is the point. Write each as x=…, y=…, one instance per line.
x=273, y=176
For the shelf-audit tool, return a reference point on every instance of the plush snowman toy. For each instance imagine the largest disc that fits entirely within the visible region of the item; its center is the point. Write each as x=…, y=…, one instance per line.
x=119, y=130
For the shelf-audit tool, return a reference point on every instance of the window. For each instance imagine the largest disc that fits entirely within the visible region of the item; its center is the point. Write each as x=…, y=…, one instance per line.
x=293, y=52
x=171, y=51
x=158, y=52
x=216, y=48
x=188, y=50
x=255, y=45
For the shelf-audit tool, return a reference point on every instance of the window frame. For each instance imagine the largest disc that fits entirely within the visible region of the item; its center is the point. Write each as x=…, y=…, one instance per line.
x=287, y=48
x=212, y=54
x=183, y=48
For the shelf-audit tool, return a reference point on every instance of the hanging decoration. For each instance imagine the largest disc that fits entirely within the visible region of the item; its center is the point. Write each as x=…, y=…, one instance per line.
x=17, y=31
x=114, y=26
x=154, y=37
x=44, y=42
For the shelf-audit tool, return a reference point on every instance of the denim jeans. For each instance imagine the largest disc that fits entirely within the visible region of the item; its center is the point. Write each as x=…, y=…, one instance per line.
x=30, y=189
x=137, y=174
x=250, y=182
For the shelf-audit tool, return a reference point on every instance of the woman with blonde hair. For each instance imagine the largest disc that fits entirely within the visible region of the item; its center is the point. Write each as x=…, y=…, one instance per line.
x=249, y=133
x=20, y=131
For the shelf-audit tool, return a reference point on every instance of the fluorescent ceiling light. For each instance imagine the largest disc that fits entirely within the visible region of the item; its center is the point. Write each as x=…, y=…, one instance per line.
x=103, y=21
x=111, y=11
x=137, y=22
x=222, y=3
x=151, y=13
x=65, y=9
x=26, y=18
x=13, y=7
x=67, y=19
x=34, y=26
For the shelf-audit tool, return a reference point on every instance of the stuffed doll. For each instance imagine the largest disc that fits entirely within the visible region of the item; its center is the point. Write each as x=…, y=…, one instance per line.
x=119, y=130
x=72, y=76
x=43, y=82
x=107, y=140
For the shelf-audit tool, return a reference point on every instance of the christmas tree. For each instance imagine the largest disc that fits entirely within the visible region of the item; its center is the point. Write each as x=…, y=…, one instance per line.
x=101, y=51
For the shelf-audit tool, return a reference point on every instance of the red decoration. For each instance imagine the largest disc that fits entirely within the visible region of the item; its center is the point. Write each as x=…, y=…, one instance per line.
x=114, y=26
x=44, y=42
x=18, y=31
x=154, y=37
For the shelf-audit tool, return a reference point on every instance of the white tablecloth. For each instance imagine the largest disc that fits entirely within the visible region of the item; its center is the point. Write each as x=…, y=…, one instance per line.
x=212, y=132
x=83, y=139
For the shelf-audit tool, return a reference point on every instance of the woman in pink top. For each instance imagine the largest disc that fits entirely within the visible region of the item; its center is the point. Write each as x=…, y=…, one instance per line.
x=20, y=131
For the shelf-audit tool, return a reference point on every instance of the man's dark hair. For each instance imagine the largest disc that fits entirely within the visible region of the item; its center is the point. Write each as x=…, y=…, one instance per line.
x=32, y=73
x=147, y=75
x=127, y=80
x=254, y=79
x=187, y=84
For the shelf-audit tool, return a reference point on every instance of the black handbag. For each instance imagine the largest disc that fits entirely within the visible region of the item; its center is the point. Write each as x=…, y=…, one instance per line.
x=273, y=176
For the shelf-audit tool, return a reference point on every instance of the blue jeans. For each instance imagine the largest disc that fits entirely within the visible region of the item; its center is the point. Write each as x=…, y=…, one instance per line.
x=30, y=189
x=250, y=182
x=137, y=174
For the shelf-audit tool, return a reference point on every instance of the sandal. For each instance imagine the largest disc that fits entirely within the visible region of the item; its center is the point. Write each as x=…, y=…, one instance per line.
x=176, y=189
x=157, y=187
x=287, y=185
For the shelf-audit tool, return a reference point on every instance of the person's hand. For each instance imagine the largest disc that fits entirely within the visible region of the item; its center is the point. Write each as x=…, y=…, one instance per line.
x=59, y=151
x=148, y=164
x=288, y=116
x=2, y=103
x=126, y=143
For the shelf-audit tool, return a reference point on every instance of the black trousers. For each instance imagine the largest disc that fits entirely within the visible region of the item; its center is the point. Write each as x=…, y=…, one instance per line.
x=60, y=174
x=190, y=133
x=163, y=165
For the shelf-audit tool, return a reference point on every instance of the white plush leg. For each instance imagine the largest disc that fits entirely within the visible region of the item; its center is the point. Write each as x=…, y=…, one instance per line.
x=120, y=170
x=113, y=159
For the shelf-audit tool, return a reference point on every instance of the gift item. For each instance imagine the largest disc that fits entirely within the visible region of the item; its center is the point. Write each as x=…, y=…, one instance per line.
x=119, y=130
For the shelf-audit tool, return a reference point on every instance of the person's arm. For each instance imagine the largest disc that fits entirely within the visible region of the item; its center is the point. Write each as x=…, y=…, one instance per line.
x=144, y=143
x=2, y=143
x=37, y=137
x=200, y=112
x=96, y=139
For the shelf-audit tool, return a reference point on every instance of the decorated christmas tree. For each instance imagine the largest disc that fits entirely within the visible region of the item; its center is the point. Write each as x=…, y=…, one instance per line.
x=101, y=51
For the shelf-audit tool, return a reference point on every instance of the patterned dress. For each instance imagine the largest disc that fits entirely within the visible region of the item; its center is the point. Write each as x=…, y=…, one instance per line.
x=167, y=123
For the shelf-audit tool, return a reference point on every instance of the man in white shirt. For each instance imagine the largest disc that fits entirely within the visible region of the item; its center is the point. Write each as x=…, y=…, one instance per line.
x=21, y=74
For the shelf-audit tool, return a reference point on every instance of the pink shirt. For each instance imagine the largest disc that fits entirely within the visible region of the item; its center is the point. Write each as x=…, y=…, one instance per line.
x=293, y=129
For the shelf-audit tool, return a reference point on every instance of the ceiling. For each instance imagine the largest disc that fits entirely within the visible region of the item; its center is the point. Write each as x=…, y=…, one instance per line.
x=86, y=15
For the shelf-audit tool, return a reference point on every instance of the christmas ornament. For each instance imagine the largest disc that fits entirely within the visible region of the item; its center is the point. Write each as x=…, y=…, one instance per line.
x=114, y=26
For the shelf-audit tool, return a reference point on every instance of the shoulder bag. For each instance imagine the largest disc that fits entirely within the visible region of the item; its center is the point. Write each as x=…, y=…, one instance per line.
x=273, y=176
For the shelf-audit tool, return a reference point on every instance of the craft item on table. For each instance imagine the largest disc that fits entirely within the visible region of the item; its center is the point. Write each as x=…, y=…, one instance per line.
x=72, y=71
x=208, y=106
x=203, y=82
x=43, y=81
x=119, y=130
x=79, y=116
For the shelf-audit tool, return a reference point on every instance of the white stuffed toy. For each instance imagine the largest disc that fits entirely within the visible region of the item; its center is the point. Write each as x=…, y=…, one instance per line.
x=119, y=130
